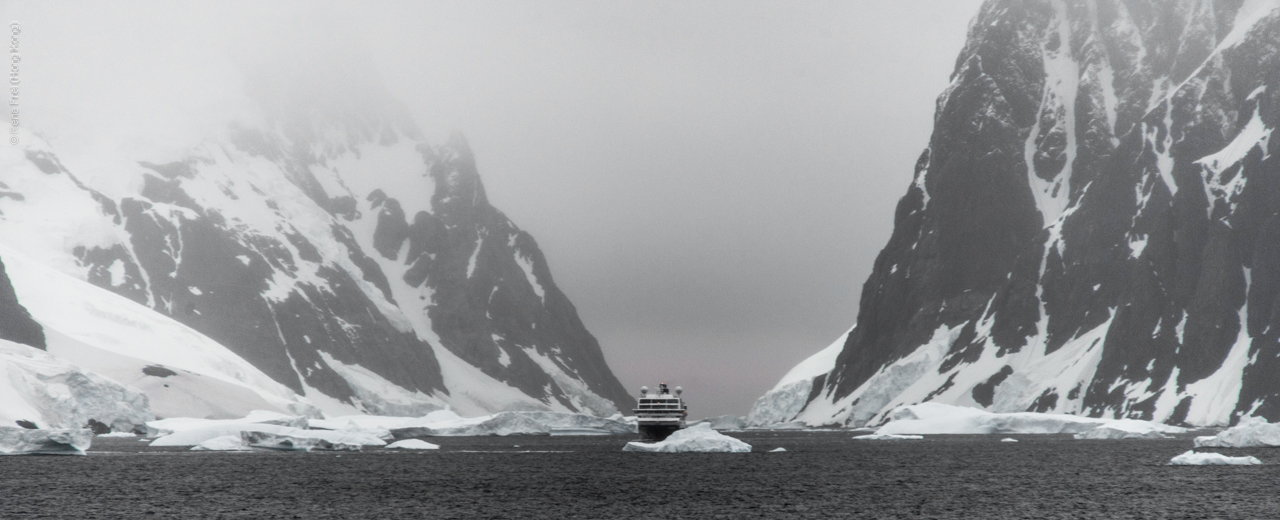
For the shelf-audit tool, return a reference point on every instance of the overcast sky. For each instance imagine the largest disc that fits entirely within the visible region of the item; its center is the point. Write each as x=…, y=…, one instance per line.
x=710, y=181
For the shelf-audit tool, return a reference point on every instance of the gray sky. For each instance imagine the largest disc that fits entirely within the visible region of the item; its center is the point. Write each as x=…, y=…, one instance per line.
x=710, y=181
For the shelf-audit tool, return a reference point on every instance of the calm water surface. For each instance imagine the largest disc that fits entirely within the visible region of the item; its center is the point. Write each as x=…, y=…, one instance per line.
x=821, y=475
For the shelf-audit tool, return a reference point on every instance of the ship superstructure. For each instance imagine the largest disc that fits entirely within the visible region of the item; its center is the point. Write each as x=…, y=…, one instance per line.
x=661, y=414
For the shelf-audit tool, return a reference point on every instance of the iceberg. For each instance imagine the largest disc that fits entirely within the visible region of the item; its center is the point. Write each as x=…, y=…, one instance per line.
x=935, y=418
x=1008, y=439
x=1191, y=458
x=1251, y=432
x=62, y=441
x=301, y=440
x=777, y=450
x=223, y=443
x=412, y=444
x=47, y=391
x=697, y=438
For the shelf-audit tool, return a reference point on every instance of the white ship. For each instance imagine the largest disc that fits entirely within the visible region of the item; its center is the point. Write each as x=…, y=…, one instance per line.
x=660, y=415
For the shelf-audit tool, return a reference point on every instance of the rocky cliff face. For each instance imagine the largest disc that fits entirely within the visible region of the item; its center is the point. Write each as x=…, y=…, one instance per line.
x=16, y=324
x=1093, y=228
x=332, y=247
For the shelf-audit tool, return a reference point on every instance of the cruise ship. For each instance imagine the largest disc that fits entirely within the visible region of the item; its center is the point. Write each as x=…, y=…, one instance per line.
x=660, y=415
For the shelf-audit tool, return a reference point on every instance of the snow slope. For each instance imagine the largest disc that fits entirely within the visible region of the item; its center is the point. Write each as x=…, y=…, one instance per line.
x=182, y=372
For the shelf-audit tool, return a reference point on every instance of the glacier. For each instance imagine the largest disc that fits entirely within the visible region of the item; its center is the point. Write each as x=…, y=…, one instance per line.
x=46, y=391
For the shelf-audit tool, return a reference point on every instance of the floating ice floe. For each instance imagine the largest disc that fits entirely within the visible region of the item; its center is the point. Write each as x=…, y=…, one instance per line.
x=1007, y=439
x=1124, y=430
x=267, y=434
x=223, y=443
x=47, y=391
x=934, y=418
x=119, y=434
x=412, y=444
x=445, y=423
x=777, y=450
x=1191, y=458
x=1251, y=432
x=162, y=427
x=887, y=437
x=793, y=425
x=697, y=438
x=306, y=440
x=21, y=441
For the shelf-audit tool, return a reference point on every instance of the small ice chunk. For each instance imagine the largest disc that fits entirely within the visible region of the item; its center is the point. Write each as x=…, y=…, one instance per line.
x=21, y=441
x=1008, y=439
x=119, y=434
x=887, y=437
x=1191, y=458
x=697, y=438
x=777, y=450
x=412, y=444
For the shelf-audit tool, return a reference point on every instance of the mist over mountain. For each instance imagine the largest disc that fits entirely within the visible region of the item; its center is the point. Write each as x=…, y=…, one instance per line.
x=1091, y=230
x=321, y=239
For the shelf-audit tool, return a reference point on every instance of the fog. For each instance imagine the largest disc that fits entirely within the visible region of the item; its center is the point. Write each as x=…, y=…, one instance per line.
x=710, y=181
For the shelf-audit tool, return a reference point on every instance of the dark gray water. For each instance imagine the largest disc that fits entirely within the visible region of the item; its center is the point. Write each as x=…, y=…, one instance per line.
x=823, y=474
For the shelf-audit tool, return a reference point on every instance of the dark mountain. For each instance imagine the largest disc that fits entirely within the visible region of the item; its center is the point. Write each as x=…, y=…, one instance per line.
x=1092, y=229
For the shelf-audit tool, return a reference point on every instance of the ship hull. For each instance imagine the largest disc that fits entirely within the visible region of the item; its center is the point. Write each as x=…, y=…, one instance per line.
x=656, y=432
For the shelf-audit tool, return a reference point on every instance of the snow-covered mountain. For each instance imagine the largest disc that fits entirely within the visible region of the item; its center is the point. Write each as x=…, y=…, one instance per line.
x=1094, y=227
x=322, y=241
